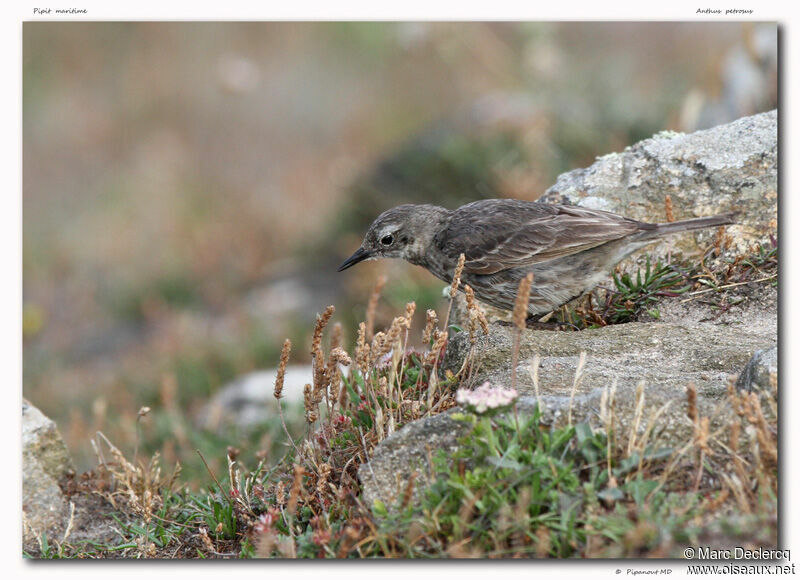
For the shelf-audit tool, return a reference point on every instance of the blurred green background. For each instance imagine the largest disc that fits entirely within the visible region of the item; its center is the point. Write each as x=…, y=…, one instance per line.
x=190, y=188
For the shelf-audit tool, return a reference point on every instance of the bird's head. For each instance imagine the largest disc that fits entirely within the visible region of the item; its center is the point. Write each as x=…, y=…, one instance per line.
x=401, y=232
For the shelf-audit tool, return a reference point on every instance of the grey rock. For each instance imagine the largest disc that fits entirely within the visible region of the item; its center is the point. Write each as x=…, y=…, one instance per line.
x=666, y=356
x=45, y=460
x=248, y=401
x=731, y=166
x=408, y=451
x=758, y=373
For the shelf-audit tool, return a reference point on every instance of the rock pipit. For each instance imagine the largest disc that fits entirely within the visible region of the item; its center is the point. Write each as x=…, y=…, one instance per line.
x=569, y=249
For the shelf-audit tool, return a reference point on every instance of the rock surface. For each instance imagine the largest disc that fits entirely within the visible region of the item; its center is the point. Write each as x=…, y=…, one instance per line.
x=47, y=510
x=708, y=172
x=45, y=460
x=248, y=401
x=664, y=355
x=759, y=372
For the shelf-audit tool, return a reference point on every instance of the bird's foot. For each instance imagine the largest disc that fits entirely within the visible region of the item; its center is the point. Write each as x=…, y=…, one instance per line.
x=533, y=323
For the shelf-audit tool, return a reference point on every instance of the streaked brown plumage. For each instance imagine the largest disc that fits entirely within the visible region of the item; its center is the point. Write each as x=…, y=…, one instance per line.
x=569, y=249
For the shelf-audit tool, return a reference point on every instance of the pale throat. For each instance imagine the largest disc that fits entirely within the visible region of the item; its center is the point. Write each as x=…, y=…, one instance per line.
x=415, y=252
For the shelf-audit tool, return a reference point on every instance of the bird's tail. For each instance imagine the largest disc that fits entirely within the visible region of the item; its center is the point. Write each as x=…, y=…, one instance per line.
x=665, y=229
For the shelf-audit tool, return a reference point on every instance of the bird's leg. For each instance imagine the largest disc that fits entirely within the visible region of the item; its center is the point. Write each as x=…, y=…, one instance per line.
x=542, y=322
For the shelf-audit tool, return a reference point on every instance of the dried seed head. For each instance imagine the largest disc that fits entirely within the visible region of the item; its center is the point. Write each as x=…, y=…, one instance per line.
x=332, y=375
x=287, y=348
x=521, y=303
x=280, y=493
x=322, y=477
x=430, y=324
x=668, y=208
x=476, y=314
x=457, y=276
x=294, y=494
x=383, y=387
x=691, y=399
x=411, y=307
x=733, y=441
x=389, y=340
x=341, y=357
x=439, y=341
x=322, y=322
x=320, y=377
x=408, y=493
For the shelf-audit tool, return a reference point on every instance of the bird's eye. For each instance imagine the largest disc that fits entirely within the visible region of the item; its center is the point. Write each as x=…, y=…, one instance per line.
x=387, y=240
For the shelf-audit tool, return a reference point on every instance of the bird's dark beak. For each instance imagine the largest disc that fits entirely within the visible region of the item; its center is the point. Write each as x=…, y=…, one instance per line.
x=360, y=255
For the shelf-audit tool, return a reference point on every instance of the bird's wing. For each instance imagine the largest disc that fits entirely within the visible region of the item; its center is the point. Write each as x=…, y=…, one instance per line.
x=497, y=235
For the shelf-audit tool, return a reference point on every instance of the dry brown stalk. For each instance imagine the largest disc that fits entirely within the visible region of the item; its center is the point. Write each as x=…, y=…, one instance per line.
x=372, y=305
x=691, y=399
x=320, y=389
x=668, y=208
x=576, y=381
x=209, y=545
x=362, y=350
x=280, y=493
x=543, y=542
x=733, y=439
x=294, y=494
x=266, y=543
x=702, y=435
x=719, y=238
x=520, y=314
x=409, y=490
x=457, y=276
x=279, y=379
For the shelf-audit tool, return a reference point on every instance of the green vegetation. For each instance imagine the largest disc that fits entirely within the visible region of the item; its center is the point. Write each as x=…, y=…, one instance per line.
x=516, y=487
x=718, y=279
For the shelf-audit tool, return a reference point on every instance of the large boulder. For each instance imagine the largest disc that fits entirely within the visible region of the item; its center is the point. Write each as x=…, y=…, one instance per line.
x=729, y=167
x=45, y=461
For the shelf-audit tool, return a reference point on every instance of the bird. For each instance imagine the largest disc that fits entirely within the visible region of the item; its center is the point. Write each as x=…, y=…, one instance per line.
x=569, y=249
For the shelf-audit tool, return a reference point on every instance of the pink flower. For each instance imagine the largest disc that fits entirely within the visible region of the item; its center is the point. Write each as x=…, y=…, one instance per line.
x=267, y=520
x=486, y=398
